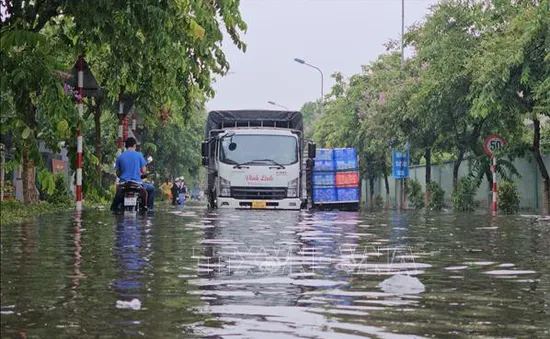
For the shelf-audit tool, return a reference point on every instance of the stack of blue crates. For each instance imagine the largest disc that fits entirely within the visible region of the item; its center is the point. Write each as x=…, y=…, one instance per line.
x=324, y=189
x=345, y=159
x=327, y=163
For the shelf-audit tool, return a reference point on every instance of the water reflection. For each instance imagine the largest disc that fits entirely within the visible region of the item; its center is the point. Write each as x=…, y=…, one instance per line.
x=130, y=251
x=77, y=255
x=295, y=279
x=272, y=274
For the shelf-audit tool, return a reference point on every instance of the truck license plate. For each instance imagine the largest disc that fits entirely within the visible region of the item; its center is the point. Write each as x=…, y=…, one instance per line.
x=258, y=204
x=130, y=201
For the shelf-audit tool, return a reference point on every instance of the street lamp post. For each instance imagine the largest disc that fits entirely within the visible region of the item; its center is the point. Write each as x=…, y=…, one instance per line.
x=276, y=104
x=300, y=61
x=402, y=32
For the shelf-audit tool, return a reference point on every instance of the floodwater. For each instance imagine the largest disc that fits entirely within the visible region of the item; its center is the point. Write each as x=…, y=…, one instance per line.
x=251, y=274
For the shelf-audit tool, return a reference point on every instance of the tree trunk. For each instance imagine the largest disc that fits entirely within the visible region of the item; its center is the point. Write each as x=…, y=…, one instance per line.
x=370, y=174
x=457, y=166
x=30, y=193
x=371, y=195
x=98, y=149
x=542, y=168
x=386, y=183
x=428, y=156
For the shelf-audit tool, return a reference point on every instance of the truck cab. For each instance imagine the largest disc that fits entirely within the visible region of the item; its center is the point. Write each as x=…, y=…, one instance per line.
x=256, y=165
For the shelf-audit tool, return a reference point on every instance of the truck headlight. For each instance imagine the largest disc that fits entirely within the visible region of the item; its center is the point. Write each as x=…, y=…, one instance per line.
x=225, y=187
x=292, y=190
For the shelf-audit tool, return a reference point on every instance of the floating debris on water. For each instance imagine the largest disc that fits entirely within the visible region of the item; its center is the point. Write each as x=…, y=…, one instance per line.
x=135, y=304
x=402, y=284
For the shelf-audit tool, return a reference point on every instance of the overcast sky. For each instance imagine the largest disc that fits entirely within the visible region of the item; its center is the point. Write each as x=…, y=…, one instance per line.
x=334, y=35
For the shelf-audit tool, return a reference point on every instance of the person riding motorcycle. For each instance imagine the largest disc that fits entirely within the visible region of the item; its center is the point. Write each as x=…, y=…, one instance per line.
x=130, y=166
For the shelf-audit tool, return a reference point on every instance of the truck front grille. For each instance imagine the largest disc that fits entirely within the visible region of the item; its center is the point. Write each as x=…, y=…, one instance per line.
x=258, y=193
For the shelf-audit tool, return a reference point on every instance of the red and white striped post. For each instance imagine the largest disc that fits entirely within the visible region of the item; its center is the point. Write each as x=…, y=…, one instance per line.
x=80, y=88
x=125, y=128
x=494, y=167
x=120, y=123
x=134, y=121
x=491, y=145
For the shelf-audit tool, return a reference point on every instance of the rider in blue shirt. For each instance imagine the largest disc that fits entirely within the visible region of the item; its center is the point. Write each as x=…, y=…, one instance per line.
x=130, y=165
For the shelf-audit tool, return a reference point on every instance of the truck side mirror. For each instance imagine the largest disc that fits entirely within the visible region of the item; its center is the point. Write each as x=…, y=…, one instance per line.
x=204, y=148
x=205, y=161
x=311, y=150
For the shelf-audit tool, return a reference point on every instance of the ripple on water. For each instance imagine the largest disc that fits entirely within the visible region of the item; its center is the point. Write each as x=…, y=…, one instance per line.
x=509, y=272
x=274, y=275
x=456, y=268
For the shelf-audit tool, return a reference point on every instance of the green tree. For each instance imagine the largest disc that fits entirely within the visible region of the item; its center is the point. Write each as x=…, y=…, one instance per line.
x=165, y=53
x=444, y=44
x=175, y=146
x=310, y=113
x=511, y=70
x=33, y=105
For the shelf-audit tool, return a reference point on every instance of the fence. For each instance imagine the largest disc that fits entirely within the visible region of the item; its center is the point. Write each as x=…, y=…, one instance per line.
x=529, y=184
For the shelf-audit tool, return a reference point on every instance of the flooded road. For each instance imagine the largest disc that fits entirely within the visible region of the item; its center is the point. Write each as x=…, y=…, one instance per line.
x=247, y=274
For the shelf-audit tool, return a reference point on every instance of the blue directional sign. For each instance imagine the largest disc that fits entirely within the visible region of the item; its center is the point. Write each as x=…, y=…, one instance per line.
x=400, y=160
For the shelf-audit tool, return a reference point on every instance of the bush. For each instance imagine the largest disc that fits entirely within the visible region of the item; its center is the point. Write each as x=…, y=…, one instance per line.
x=508, y=197
x=413, y=189
x=464, y=194
x=61, y=194
x=98, y=196
x=437, y=196
x=379, y=202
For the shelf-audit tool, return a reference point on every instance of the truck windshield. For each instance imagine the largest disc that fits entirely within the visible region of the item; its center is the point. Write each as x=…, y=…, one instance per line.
x=250, y=148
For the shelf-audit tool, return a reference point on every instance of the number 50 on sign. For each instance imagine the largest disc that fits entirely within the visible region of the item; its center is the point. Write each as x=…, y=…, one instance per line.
x=492, y=143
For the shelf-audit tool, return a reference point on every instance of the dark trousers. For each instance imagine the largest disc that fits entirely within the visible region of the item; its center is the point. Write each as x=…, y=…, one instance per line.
x=150, y=195
x=175, y=192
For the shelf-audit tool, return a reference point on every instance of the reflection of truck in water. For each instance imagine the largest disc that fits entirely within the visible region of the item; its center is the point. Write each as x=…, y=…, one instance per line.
x=255, y=159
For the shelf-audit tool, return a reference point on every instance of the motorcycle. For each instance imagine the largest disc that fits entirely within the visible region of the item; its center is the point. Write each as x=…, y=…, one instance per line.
x=133, y=195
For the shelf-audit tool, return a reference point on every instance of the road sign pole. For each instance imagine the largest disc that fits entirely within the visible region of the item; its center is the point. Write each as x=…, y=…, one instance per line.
x=494, y=185
x=79, y=134
x=491, y=145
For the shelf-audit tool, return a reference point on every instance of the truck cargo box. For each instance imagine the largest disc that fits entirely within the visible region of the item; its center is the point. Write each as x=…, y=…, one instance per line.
x=253, y=118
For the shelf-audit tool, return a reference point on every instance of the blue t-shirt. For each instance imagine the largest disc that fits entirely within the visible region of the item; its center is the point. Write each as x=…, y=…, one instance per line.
x=129, y=163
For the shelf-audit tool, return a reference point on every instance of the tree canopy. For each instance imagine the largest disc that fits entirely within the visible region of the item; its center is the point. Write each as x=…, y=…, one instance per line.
x=475, y=71
x=162, y=53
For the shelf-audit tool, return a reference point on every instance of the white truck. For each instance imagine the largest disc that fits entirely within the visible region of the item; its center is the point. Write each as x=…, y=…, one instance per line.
x=255, y=160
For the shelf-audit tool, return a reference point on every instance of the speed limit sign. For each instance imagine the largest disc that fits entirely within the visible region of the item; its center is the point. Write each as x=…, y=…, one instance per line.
x=492, y=143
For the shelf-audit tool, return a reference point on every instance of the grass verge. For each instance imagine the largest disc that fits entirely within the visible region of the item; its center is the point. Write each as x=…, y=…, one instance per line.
x=12, y=212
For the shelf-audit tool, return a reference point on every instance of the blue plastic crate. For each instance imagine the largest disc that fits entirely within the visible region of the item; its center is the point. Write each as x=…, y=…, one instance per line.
x=345, y=154
x=324, y=194
x=348, y=164
x=347, y=194
x=323, y=178
x=324, y=165
x=324, y=154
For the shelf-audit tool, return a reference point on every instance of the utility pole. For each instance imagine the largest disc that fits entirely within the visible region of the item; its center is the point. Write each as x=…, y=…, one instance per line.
x=2, y=165
x=402, y=195
x=402, y=33
x=301, y=61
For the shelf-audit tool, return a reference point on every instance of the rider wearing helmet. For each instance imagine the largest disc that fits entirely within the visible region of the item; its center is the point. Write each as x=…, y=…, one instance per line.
x=130, y=165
